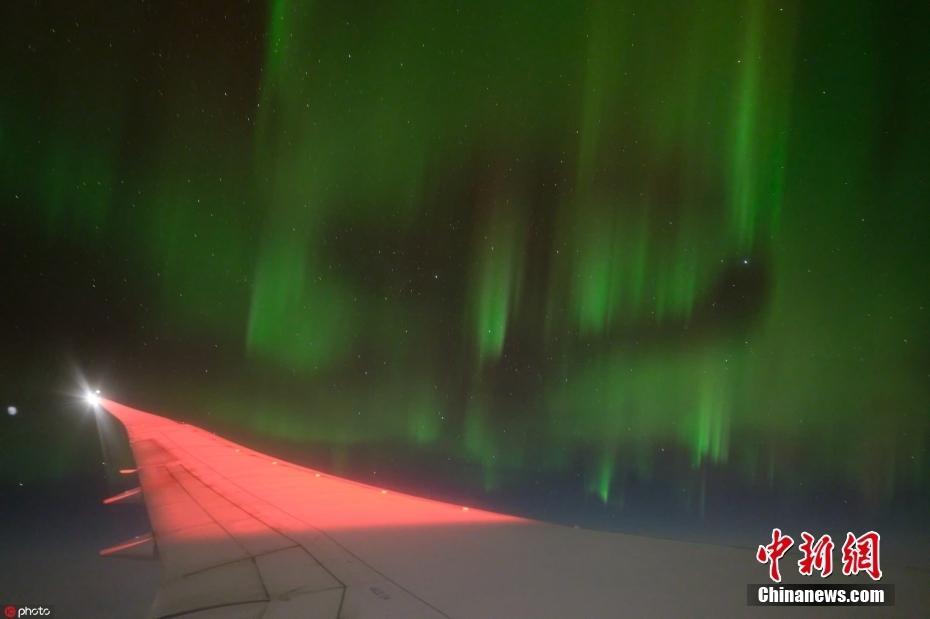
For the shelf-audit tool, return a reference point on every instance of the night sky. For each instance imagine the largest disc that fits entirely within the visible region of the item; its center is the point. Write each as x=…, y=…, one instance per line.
x=608, y=263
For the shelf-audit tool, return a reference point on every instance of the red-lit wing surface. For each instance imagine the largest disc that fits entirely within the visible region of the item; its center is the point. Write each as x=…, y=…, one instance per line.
x=240, y=534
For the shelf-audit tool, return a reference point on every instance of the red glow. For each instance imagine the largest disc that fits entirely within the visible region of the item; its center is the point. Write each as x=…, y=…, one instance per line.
x=121, y=549
x=122, y=496
x=236, y=484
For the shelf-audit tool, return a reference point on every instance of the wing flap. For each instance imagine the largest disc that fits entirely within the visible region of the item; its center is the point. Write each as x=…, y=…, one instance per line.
x=197, y=548
x=293, y=571
x=233, y=583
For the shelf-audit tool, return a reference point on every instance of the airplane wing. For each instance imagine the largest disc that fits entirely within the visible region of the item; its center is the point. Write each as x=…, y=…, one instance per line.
x=241, y=534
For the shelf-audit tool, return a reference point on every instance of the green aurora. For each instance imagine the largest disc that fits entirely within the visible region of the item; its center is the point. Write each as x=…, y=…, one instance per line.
x=531, y=236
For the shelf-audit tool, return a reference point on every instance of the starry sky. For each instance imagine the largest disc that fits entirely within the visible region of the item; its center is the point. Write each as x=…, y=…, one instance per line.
x=584, y=258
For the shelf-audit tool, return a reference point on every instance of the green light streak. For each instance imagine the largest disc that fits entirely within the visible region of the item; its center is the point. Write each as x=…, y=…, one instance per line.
x=600, y=479
x=497, y=286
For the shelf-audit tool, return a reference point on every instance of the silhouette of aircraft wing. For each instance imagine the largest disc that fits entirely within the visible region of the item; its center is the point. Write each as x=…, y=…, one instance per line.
x=240, y=534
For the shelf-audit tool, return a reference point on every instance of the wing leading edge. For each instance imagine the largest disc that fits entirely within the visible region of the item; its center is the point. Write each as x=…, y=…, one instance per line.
x=241, y=534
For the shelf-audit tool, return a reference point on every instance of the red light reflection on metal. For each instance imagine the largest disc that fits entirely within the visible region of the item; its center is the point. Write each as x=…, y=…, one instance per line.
x=248, y=484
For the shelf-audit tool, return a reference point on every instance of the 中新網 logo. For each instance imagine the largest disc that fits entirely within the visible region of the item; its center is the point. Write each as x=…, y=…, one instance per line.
x=858, y=554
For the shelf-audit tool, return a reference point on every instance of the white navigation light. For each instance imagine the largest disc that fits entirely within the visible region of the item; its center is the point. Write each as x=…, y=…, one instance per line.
x=93, y=398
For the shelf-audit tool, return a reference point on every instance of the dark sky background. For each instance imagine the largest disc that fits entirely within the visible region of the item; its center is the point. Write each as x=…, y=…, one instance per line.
x=658, y=268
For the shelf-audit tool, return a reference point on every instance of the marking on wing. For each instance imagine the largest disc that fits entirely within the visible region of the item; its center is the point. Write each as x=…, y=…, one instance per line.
x=216, y=555
x=368, y=589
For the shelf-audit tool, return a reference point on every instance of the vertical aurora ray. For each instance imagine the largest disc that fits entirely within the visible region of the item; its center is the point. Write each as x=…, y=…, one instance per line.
x=298, y=314
x=757, y=151
x=711, y=435
x=599, y=480
x=479, y=442
x=745, y=160
x=496, y=286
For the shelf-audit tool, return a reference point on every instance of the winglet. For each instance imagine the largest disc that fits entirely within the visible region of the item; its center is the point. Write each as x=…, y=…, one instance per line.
x=141, y=547
x=128, y=471
x=133, y=495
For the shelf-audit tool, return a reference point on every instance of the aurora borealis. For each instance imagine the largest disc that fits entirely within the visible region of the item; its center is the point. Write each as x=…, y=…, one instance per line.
x=627, y=242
